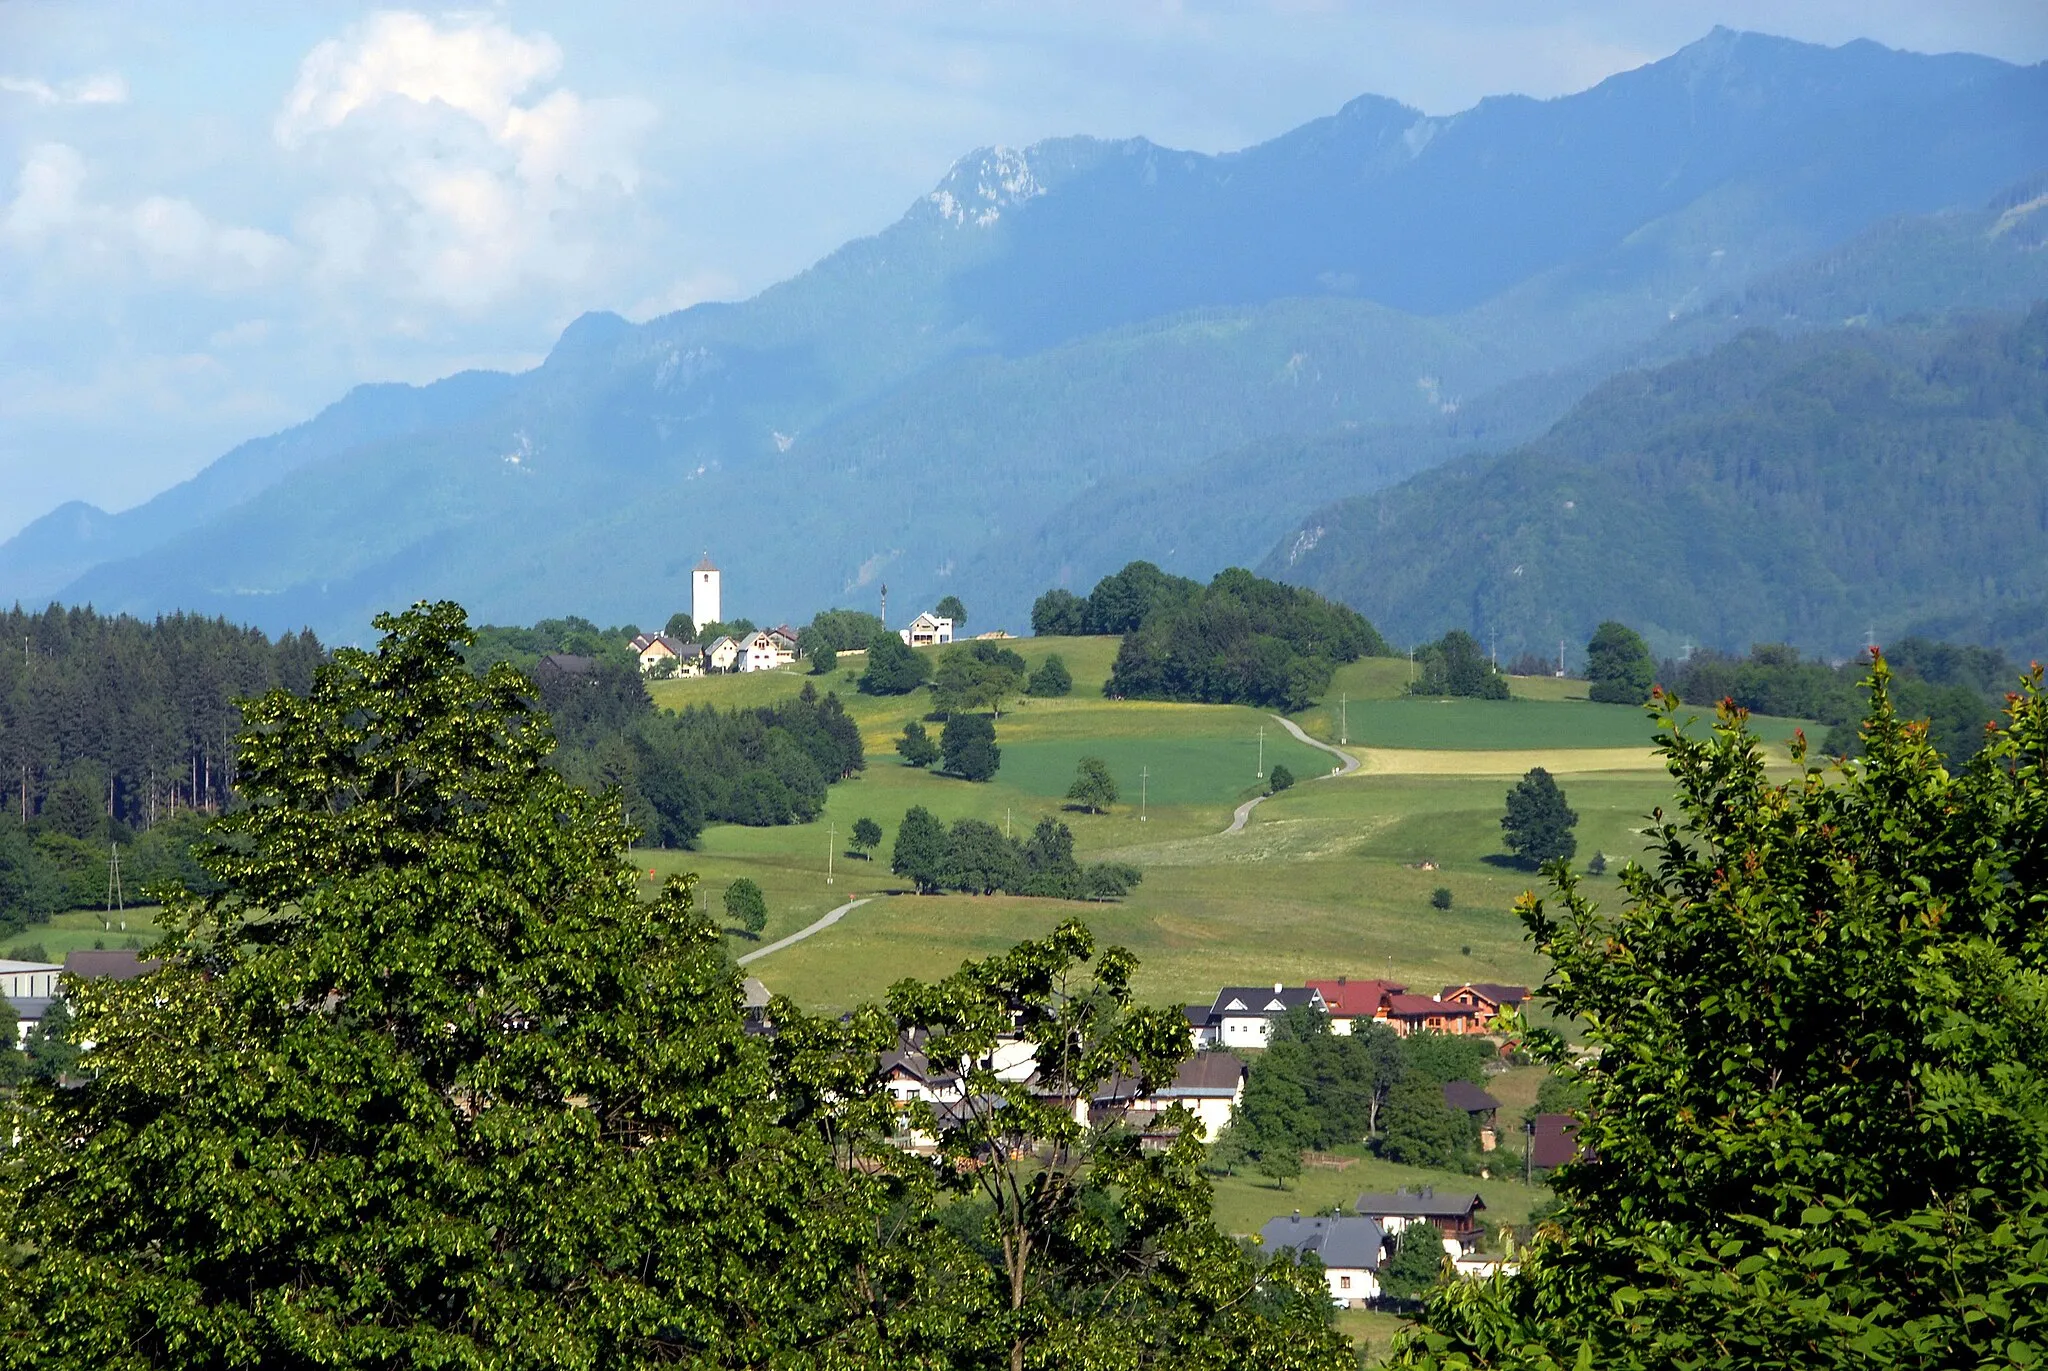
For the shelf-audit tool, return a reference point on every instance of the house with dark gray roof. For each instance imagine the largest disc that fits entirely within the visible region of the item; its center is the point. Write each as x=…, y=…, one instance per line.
x=1242, y=1016
x=1349, y=1247
x=109, y=963
x=1455, y=1213
x=1210, y=1085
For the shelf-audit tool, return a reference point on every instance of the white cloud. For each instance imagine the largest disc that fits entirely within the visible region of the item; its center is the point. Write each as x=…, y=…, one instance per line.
x=104, y=88
x=457, y=177
x=170, y=238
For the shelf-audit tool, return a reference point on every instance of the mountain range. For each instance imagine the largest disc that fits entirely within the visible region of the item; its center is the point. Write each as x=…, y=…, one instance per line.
x=1084, y=351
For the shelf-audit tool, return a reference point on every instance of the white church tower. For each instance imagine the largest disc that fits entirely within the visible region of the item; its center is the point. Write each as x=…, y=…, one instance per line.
x=704, y=607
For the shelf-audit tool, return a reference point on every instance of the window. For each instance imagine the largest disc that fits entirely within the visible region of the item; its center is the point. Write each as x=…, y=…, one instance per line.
x=1343, y=1282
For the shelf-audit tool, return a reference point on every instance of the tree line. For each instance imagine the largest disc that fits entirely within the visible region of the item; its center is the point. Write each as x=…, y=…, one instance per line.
x=974, y=856
x=1241, y=639
x=117, y=730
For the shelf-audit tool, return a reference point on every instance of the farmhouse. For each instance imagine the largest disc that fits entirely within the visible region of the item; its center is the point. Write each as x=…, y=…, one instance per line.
x=927, y=630
x=722, y=654
x=1349, y=1247
x=1355, y=1002
x=1455, y=1216
x=784, y=638
x=1243, y=1016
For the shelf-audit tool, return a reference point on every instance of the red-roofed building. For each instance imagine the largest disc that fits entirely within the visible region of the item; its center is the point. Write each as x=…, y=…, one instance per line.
x=1355, y=1001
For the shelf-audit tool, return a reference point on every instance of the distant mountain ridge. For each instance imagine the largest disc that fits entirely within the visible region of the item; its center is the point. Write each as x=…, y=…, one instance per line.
x=942, y=404
x=1810, y=489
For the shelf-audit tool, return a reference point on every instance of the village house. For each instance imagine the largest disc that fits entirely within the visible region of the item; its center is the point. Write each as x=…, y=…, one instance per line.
x=757, y=652
x=1426, y=1014
x=653, y=649
x=1349, y=1247
x=564, y=665
x=927, y=630
x=1242, y=1016
x=784, y=639
x=1488, y=997
x=1210, y=1085
x=1455, y=1216
x=1470, y=1100
x=1355, y=1002
x=721, y=655
x=29, y=980
x=109, y=964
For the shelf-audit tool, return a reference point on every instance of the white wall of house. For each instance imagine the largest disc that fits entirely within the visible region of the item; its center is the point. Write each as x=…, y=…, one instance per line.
x=29, y=980
x=1352, y=1284
x=1245, y=1030
x=759, y=654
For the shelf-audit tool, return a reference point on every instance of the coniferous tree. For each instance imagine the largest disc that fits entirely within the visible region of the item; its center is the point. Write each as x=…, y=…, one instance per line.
x=1052, y=679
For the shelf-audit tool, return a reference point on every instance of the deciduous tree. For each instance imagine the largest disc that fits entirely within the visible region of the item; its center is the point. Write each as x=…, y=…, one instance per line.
x=867, y=836
x=967, y=747
x=1094, y=789
x=893, y=667
x=1538, y=823
x=949, y=607
x=1619, y=670
x=920, y=852
x=1052, y=679
x=746, y=906
x=916, y=747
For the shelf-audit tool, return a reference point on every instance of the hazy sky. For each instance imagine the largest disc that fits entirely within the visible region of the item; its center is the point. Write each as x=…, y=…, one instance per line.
x=216, y=217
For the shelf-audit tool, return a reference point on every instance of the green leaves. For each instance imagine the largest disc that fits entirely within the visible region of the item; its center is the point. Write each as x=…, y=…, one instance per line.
x=1818, y=1109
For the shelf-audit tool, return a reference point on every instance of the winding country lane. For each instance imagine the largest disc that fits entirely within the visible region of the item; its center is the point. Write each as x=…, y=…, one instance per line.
x=834, y=917
x=1347, y=765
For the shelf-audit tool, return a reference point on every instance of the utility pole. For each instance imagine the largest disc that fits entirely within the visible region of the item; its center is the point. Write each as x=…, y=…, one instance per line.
x=1343, y=719
x=1006, y=821
x=116, y=899
x=1144, y=785
x=831, y=847
x=885, y=604
x=1560, y=657
x=1262, y=752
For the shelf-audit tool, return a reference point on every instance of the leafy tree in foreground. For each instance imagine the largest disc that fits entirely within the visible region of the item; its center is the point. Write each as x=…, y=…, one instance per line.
x=1102, y=1253
x=867, y=836
x=1052, y=679
x=916, y=747
x=746, y=906
x=1619, y=670
x=1538, y=823
x=967, y=747
x=949, y=607
x=894, y=668
x=1278, y=779
x=426, y=1084
x=1815, y=1095
x=1094, y=789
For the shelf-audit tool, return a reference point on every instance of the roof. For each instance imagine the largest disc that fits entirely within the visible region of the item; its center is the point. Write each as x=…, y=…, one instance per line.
x=1424, y=1203
x=756, y=992
x=569, y=664
x=1492, y=990
x=31, y=1008
x=1211, y=1075
x=1198, y=1015
x=930, y=619
x=1346, y=1241
x=1349, y=999
x=116, y=964
x=720, y=641
x=1240, y=1000
x=1411, y=1006
x=1555, y=1141
x=705, y=564
x=1468, y=1098
x=11, y=967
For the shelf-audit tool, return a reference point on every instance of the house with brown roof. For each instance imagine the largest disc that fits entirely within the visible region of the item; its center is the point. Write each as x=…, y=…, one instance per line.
x=1555, y=1141
x=1427, y=1014
x=1488, y=997
x=1355, y=1002
x=1480, y=1107
x=109, y=964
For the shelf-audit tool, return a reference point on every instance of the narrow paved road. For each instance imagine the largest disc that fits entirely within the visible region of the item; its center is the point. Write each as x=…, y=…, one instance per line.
x=1346, y=765
x=834, y=917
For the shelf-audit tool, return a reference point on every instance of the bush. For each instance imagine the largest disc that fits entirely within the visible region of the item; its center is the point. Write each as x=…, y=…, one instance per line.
x=1417, y=1264
x=1278, y=779
x=1440, y=898
x=1052, y=678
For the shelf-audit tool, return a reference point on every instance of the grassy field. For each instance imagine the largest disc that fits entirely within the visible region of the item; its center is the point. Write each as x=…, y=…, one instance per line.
x=81, y=929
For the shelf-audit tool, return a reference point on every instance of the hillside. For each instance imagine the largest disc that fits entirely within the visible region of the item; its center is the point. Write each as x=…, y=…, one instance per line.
x=1808, y=488
x=1080, y=318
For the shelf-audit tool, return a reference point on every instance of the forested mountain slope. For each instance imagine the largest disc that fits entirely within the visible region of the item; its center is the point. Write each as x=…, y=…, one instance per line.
x=1807, y=489
x=939, y=404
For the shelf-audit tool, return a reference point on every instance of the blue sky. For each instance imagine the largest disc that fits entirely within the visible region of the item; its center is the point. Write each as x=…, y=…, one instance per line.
x=216, y=217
